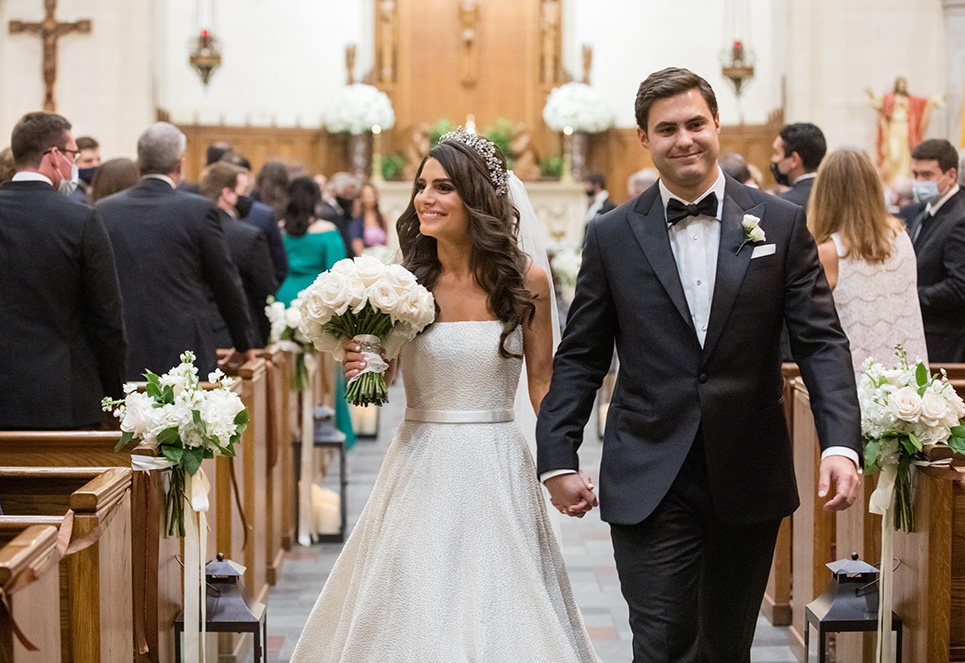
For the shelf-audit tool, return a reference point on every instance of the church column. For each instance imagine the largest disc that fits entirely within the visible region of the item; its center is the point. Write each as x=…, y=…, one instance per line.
x=954, y=69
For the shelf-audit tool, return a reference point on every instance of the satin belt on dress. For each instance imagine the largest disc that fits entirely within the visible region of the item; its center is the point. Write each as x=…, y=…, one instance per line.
x=460, y=416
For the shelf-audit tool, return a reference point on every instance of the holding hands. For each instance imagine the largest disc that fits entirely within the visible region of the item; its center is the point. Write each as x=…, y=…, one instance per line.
x=572, y=494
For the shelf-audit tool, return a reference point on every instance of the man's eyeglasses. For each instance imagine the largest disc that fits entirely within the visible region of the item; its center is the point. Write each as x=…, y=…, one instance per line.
x=63, y=150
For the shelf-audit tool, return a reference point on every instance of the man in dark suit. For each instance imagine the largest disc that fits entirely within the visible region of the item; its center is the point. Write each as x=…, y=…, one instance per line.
x=346, y=187
x=692, y=281
x=797, y=153
x=261, y=216
x=937, y=227
x=224, y=183
x=169, y=246
x=600, y=203
x=62, y=345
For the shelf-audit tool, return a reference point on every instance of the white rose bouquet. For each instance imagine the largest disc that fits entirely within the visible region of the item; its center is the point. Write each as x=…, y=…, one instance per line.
x=379, y=306
x=578, y=106
x=903, y=409
x=184, y=423
x=286, y=335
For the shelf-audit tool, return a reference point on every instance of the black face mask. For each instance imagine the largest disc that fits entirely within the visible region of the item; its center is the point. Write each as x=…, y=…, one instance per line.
x=244, y=206
x=781, y=178
x=87, y=174
x=345, y=204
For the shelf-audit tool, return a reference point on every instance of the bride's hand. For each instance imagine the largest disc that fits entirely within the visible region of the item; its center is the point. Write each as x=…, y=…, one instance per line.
x=353, y=361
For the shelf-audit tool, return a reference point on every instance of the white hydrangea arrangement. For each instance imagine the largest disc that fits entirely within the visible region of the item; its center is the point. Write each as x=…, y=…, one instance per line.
x=903, y=409
x=578, y=106
x=357, y=108
x=183, y=422
x=379, y=306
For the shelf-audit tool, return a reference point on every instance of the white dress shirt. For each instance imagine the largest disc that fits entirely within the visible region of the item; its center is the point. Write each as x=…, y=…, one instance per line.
x=932, y=208
x=695, y=241
x=31, y=176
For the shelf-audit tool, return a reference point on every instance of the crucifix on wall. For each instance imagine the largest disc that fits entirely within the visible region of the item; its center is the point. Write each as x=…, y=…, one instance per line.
x=50, y=30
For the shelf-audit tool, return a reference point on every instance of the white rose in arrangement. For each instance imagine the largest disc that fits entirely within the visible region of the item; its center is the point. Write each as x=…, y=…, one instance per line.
x=357, y=108
x=218, y=411
x=399, y=276
x=932, y=408
x=383, y=297
x=345, y=267
x=333, y=292
x=578, y=106
x=292, y=315
x=368, y=270
x=906, y=404
x=137, y=413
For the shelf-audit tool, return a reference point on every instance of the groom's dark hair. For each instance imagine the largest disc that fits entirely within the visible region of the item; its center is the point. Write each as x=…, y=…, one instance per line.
x=666, y=83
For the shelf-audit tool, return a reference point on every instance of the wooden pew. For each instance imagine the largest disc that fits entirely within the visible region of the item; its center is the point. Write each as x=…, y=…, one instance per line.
x=249, y=467
x=92, y=505
x=280, y=470
x=776, y=606
x=813, y=527
x=29, y=577
x=157, y=586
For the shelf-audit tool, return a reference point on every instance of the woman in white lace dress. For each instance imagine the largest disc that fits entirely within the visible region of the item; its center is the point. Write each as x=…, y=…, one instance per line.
x=868, y=258
x=453, y=559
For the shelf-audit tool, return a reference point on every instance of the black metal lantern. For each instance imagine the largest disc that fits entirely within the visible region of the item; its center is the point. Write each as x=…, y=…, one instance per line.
x=229, y=609
x=849, y=605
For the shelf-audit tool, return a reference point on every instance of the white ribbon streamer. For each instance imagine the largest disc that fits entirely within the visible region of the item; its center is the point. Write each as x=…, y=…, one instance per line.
x=305, y=520
x=882, y=502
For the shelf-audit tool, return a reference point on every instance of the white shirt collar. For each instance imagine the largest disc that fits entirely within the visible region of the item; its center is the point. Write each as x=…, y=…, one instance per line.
x=31, y=176
x=165, y=178
x=805, y=176
x=932, y=208
x=717, y=188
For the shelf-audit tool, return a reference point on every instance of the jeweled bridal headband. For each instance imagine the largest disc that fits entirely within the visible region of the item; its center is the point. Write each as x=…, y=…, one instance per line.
x=487, y=150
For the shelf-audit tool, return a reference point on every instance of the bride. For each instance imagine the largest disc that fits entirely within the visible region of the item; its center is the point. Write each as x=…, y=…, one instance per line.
x=453, y=559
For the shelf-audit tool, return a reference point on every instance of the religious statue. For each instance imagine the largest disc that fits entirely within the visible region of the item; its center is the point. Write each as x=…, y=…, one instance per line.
x=526, y=165
x=386, y=43
x=587, y=63
x=350, y=64
x=549, y=41
x=902, y=121
x=416, y=148
x=468, y=55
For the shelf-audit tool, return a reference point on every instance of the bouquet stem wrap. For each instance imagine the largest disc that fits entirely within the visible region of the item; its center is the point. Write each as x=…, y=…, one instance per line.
x=369, y=385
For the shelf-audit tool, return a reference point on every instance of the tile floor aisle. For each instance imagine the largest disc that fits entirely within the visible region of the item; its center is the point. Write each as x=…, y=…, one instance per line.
x=586, y=547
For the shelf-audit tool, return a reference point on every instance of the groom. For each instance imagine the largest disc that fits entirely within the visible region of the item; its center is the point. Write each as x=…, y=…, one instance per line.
x=697, y=466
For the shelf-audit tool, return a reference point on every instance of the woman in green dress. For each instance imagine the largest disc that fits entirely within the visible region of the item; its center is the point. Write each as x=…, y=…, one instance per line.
x=313, y=246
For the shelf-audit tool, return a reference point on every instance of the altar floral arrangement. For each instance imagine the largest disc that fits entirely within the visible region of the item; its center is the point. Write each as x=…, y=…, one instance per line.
x=565, y=264
x=578, y=106
x=903, y=409
x=357, y=108
x=379, y=306
x=285, y=335
x=184, y=424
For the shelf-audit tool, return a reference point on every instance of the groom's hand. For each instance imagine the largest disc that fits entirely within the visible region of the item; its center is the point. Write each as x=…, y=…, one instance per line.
x=571, y=494
x=840, y=471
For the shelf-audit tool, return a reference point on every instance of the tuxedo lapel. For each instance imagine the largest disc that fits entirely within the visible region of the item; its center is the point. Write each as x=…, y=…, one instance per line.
x=732, y=262
x=650, y=229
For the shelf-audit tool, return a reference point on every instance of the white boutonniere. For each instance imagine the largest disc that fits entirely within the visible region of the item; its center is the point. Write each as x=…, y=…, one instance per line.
x=752, y=231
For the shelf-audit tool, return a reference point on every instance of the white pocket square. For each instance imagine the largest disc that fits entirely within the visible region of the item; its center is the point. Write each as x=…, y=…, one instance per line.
x=761, y=251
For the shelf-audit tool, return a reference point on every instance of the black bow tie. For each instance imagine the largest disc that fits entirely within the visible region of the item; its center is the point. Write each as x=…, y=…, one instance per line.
x=677, y=211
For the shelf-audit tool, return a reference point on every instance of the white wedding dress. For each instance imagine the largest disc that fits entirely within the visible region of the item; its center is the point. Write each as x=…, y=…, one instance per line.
x=453, y=559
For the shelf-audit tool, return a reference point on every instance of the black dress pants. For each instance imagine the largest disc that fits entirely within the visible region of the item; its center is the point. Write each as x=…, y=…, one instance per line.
x=694, y=584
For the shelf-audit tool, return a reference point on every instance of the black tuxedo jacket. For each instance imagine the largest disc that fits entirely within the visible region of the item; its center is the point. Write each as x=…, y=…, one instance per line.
x=669, y=388
x=263, y=218
x=62, y=345
x=249, y=251
x=169, y=246
x=800, y=193
x=940, y=249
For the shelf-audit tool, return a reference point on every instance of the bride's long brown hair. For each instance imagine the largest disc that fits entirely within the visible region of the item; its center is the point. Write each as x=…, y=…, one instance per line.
x=496, y=262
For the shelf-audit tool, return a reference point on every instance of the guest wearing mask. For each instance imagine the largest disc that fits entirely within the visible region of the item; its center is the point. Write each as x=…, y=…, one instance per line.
x=346, y=188
x=797, y=153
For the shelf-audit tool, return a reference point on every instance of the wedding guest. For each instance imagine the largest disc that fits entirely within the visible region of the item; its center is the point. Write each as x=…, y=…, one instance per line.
x=7, y=167
x=313, y=246
x=797, y=153
x=262, y=217
x=367, y=229
x=271, y=187
x=88, y=161
x=345, y=186
x=937, y=228
x=112, y=176
x=62, y=343
x=170, y=249
x=868, y=259
x=640, y=181
x=600, y=203
x=225, y=184
x=735, y=165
